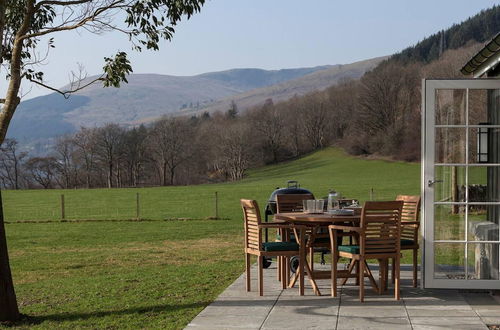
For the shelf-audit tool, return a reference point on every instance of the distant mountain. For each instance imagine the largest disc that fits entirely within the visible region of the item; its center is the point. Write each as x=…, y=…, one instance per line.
x=314, y=81
x=149, y=96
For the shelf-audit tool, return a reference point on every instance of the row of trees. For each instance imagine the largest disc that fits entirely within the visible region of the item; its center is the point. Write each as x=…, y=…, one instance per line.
x=378, y=114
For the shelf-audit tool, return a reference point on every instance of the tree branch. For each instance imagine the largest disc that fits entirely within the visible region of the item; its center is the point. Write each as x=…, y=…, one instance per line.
x=82, y=22
x=60, y=3
x=66, y=94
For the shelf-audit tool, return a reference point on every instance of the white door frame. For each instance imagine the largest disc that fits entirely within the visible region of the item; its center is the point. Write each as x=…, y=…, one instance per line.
x=429, y=86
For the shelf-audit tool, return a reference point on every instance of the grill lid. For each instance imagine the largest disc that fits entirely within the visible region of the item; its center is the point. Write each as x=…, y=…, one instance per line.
x=293, y=187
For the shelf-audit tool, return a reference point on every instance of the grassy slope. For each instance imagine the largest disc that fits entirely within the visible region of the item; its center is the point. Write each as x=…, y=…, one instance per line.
x=160, y=274
x=318, y=172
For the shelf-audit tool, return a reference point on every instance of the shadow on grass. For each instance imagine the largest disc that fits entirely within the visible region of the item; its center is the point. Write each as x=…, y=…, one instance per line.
x=34, y=320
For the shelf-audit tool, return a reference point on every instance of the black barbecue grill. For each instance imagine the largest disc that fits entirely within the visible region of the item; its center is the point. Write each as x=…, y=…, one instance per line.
x=293, y=187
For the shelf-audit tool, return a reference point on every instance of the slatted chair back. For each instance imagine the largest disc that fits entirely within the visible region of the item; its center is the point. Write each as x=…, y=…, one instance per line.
x=252, y=220
x=411, y=207
x=291, y=202
x=411, y=212
x=381, y=228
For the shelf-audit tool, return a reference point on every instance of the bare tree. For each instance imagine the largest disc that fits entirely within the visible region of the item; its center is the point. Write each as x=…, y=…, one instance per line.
x=135, y=153
x=85, y=142
x=314, y=117
x=65, y=156
x=170, y=145
x=109, y=140
x=10, y=163
x=269, y=123
x=42, y=170
x=232, y=149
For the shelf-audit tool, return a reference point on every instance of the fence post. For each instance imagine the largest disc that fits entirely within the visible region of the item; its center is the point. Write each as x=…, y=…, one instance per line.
x=216, y=206
x=63, y=209
x=137, y=209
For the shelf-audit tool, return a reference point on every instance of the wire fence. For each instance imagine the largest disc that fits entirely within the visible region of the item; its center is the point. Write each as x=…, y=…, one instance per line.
x=74, y=206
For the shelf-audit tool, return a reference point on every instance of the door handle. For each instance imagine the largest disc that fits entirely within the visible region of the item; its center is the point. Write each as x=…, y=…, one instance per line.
x=430, y=183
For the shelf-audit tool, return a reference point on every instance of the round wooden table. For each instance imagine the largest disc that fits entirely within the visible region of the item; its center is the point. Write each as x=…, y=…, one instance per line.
x=316, y=221
x=322, y=220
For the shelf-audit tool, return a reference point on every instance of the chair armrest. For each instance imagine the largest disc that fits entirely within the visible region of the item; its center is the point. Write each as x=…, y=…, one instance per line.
x=348, y=228
x=278, y=225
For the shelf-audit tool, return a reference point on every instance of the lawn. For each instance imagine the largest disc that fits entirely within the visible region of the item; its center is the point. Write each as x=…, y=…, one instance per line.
x=158, y=274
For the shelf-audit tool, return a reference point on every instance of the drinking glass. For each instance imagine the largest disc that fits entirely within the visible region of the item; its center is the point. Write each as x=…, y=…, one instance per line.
x=320, y=204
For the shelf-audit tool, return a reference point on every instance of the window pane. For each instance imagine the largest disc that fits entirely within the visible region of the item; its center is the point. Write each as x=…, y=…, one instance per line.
x=450, y=145
x=449, y=260
x=482, y=261
x=483, y=222
x=484, y=145
x=449, y=222
x=478, y=106
x=484, y=184
x=450, y=107
x=450, y=183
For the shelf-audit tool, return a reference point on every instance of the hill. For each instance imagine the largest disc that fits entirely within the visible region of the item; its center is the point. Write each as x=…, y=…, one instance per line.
x=314, y=81
x=149, y=96
x=480, y=28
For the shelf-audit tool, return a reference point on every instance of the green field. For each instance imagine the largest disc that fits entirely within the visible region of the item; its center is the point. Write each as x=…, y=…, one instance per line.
x=158, y=274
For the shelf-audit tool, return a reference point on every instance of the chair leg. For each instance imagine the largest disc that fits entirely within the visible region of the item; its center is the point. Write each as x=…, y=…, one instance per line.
x=415, y=267
x=247, y=266
x=361, y=277
x=283, y=273
x=278, y=268
x=397, y=281
x=261, y=276
x=302, y=261
x=357, y=272
x=349, y=271
x=311, y=259
x=392, y=269
x=334, y=273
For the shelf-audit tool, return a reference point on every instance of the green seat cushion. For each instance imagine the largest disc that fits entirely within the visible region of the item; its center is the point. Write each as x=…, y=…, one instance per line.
x=349, y=248
x=280, y=246
x=406, y=242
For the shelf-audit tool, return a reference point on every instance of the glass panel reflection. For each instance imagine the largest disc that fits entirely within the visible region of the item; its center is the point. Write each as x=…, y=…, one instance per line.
x=484, y=145
x=449, y=222
x=483, y=222
x=478, y=106
x=450, y=107
x=450, y=182
x=484, y=184
x=450, y=145
x=449, y=260
x=482, y=261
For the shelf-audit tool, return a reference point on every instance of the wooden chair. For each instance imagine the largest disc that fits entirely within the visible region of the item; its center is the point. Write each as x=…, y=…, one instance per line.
x=379, y=238
x=409, y=229
x=255, y=246
x=285, y=204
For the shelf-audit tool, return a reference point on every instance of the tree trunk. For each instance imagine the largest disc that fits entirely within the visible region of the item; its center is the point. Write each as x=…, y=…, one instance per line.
x=8, y=301
x=165, y=173
x=110, y=175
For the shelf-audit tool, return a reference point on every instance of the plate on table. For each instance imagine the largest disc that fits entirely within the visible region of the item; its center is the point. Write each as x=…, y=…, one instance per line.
x=341, y=212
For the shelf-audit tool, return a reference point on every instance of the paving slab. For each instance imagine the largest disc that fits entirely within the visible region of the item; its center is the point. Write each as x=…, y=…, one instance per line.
x=236, y=308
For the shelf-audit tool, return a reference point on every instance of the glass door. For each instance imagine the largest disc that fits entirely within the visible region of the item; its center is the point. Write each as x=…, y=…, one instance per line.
x=461, y=183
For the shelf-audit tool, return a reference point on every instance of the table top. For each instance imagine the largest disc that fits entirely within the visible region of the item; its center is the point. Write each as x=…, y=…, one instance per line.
x=319, y=218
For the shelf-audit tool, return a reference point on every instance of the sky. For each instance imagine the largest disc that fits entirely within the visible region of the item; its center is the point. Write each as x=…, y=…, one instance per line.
x=267, y=34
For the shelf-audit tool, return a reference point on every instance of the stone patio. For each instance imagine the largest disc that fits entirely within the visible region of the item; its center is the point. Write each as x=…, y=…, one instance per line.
x=285, y=309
